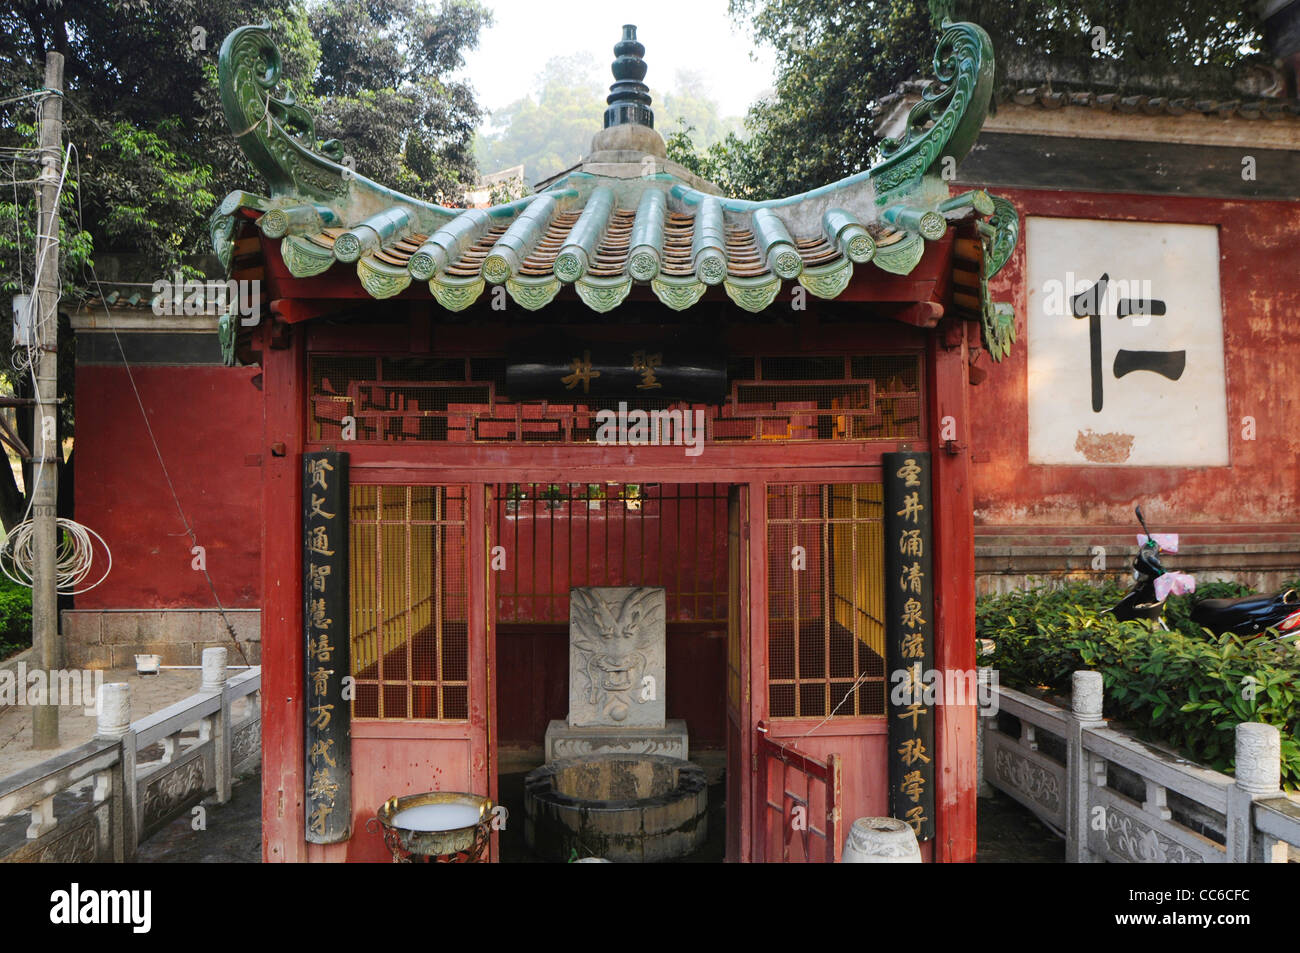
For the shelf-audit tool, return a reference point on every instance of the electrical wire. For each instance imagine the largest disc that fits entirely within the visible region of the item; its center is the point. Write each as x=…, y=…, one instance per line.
x=73, y=561
x=75, y=555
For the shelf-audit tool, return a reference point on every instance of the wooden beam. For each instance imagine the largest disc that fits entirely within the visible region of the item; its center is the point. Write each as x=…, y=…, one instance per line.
x=923, y=314
x=298, y=310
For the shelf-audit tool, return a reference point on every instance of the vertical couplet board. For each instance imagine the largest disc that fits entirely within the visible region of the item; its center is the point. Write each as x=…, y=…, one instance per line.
x=328, y=794
x=909, y=637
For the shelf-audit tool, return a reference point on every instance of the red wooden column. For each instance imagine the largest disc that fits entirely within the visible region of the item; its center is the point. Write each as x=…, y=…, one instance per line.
x=283, y=382
x=954, y=570
x=753, y=792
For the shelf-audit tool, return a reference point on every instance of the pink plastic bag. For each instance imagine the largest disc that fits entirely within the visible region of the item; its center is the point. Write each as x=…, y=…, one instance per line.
x=1174, y=584
x=1168, y=542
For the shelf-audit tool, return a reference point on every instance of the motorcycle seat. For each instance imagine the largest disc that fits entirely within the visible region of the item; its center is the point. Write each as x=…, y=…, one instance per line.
x=1231, y=613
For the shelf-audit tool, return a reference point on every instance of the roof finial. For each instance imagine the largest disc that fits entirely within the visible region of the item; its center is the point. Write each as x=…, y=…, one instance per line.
x=629, y=98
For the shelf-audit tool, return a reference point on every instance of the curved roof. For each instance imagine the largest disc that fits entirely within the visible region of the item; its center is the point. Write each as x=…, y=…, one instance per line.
x=622, y=218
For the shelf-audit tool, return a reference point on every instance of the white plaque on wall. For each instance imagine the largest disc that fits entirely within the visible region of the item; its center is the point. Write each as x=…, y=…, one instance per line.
x=1125, y=343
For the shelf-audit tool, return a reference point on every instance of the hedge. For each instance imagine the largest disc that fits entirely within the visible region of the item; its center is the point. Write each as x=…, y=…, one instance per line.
x=1186, y=688
x=15, y=618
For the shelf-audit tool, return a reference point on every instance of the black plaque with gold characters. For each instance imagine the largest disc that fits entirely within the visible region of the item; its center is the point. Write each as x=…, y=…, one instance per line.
x=584, y=372
x=328, y=747
x=909, y=635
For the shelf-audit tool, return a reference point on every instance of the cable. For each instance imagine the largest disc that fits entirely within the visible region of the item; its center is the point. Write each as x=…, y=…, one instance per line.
x=73, y=561
x=75, y=555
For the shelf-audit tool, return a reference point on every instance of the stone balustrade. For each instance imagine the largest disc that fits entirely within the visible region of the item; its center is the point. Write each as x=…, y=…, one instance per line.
x=99, y=801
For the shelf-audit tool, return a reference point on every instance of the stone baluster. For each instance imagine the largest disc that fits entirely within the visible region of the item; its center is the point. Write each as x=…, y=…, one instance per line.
x=217, y=727
x=986, y=718
x=1259, y=775
x=114, y=716
x=114, y=723
x=1085, y=712
x=214, y=670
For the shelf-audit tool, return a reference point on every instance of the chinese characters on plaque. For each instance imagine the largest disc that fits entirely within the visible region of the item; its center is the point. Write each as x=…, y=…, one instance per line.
x=325, y=647
x=909, y=637
x=584, y=372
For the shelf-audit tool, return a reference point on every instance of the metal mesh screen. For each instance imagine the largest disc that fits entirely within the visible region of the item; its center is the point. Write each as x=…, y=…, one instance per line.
x=410, y=606
x=556, y=536
x=825, y=600
x=464, y=400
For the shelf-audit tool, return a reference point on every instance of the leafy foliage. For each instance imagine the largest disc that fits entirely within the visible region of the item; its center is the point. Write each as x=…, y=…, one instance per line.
x=384, y=88
x=839, y=62
x=153, y=151
x=1174, y=47
x=550, y=131
x=1187, y=688
x=15, y=618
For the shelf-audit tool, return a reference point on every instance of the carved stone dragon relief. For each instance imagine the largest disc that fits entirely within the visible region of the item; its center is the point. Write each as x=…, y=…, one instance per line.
x=616, y=656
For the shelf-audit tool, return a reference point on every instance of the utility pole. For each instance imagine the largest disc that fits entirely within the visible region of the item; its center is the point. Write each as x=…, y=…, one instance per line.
x=45, y=416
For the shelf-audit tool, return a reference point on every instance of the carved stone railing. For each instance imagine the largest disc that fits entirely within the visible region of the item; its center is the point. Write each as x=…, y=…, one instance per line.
x=100, y=800
x=1116, y=799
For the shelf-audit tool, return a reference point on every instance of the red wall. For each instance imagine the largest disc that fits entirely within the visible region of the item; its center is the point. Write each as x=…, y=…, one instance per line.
x=1260, y=288
x=208, y=424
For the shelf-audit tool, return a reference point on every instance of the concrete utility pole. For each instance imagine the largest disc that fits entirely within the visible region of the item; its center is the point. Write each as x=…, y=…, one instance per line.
x=45, y=416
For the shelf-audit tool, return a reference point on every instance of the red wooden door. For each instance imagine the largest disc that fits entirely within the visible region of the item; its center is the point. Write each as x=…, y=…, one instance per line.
x=802, y=804
x=420, y=637
x=818, y=678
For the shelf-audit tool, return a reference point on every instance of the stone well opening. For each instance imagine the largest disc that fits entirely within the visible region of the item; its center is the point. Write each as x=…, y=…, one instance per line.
x=617, y=779
x=624, y=808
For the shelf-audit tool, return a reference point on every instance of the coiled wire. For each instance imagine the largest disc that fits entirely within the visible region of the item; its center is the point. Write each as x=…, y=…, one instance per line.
x=74, y=558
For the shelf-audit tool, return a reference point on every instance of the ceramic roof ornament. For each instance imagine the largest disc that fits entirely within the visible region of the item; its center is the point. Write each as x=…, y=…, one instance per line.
x=627, y=215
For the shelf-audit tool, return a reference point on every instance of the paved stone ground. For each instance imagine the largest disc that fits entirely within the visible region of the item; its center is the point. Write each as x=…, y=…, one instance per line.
x=232, y=834
x=1010, y=834
x=149, y=693
x=1007, y=832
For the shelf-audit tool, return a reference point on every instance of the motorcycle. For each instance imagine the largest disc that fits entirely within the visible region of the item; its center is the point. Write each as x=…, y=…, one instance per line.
x=1153, y=584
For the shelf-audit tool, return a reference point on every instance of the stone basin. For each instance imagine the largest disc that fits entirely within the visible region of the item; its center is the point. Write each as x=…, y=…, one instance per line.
x=629, y=808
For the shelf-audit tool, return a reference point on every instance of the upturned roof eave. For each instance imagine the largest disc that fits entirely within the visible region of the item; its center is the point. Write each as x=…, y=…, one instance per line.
x=673, y=236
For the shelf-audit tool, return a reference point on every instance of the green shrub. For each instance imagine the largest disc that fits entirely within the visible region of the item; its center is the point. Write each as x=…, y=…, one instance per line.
x=1186, y=688
x=15, y=618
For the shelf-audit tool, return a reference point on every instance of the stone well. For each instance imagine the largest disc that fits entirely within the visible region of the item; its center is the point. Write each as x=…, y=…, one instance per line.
x=636, y=808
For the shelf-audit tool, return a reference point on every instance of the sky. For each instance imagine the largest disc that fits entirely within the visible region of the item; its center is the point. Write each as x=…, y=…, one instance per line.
x=677, y=34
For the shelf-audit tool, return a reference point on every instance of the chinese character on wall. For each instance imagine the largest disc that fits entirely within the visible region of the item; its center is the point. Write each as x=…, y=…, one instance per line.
x=1125, y=344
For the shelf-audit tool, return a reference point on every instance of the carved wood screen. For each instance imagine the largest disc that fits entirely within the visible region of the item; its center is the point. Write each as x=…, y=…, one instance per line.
x=466, y=400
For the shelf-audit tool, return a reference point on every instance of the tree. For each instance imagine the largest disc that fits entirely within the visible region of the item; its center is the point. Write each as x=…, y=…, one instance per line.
x=550, y=131
x=838, y=61
x=153, y=151
x=688, y=106
x=384, y=89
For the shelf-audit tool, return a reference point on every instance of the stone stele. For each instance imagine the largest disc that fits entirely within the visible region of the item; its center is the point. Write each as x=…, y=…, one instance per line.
x=616, y=657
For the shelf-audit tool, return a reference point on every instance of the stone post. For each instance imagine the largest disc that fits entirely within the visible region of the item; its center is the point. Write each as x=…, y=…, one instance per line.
x=214, y=680
x=114, y=724
x=214, y=669
x=984, y=676
x=114, y=716
x=1085, y=712
x=1259, y=775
